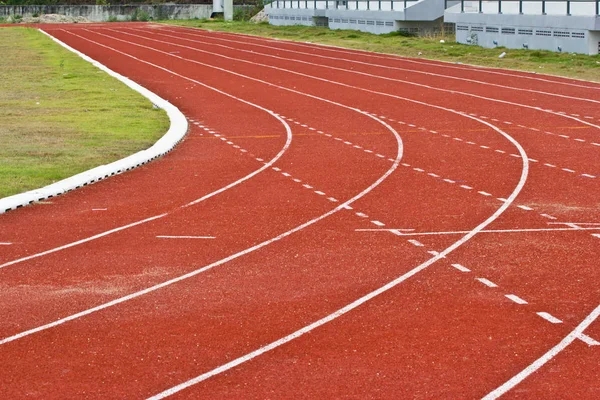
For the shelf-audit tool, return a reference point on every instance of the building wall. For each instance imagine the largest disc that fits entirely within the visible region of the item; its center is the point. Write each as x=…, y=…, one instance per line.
x=573, y=34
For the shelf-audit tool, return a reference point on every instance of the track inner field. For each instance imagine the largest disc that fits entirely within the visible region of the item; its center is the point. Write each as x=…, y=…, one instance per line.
x=368, y=226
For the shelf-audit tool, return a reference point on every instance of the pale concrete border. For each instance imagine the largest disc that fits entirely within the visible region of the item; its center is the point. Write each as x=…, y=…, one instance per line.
x=165, y=144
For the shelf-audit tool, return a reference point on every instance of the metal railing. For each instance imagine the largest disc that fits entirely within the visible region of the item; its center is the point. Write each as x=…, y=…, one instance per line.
x=375, y=5
x=543, y=3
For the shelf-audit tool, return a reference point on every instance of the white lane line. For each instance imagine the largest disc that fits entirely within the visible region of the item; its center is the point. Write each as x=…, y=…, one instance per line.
x=5, y=244
x=161, y=285
x=515, y=298
x=285, y=174
x=362, y=215
x=526, y=208
x=484, y=193
x=347, y=207
x=306, y=185
x=548, y=216
x=461, y=268
x=487, y=282
x=549, y=317
x=184, y=237
x=99, y=209
x=588, y=340
x=416, y=243
x=332, y=199
x=588, y=175
x=466, y=187
x=518, y=230
x=249, y=356
x=319, y=193
x=378, y=223
x=596, y=235
x=399, y=58
x=549, y=355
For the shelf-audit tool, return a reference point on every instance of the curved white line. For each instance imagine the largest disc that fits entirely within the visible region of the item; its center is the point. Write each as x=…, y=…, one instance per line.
x=165, y=144
x=201, y=199
x=273, y=345
x=395, y=57
x=549, y=355
x=233, y=256
x=340, y=69
x=358, y=62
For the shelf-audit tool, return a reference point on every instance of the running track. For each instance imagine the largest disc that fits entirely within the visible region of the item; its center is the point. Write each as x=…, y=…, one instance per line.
x=335, y=224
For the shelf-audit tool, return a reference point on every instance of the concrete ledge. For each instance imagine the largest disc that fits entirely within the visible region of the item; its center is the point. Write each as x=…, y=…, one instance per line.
x=165, y=144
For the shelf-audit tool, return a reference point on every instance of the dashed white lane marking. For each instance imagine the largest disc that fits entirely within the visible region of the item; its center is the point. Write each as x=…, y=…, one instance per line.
x=461, y=268
x=403, y=232
x=548, y=216
x=285, y=174
x=276, y=169
x=5, y=244
x=319, y=193
x=526, y=208
x=306, y=185
x=484, y=193
x=378, y=223
x=416, y=243
x=362, y=215
x=99, y=209
x=297, y=180
x=549, y=317
x=184, y=237
x=596, y=235
x=347, y=207
x=515, y=298
x=487, y=282
x=466, y=187
x=549, y=355
x=588, y=340
x=333, y=199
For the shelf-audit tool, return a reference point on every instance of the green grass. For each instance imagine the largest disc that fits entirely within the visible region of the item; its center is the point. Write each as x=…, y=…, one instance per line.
x=547, y=62
x=59, y=115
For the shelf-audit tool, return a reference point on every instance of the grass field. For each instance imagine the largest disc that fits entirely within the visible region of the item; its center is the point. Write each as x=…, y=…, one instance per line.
x=547, y=62
x=59, y=115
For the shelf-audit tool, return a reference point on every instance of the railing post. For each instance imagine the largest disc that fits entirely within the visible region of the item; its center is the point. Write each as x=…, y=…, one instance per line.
x=462, y=5
x=543, y=7
x=379, y=5
x=405, y=4
x=393, y=4
x=598, y=7
x=521, y=7
x=480, y=6
x=499, y=6
x=568, y=7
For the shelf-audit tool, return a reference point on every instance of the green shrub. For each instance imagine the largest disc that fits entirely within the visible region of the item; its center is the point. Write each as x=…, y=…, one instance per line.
x=143, y=16
x=102, y=3
x=35, y=15
x=112, y=18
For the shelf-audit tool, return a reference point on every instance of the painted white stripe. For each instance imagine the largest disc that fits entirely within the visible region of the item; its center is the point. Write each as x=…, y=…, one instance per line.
x=540, y=362
x=588, y=340
x=549, y=317
x=416, y=242
x=497, y=213
x=526, y=208
x=579, y=229
x=185, y=237
x=99, y=209
x=5, y=243
x=362, y=215
x=461, y=268
x=378, y=223
x=515, y=298
x=233, y=256
x=484, y=193
x=487, y=282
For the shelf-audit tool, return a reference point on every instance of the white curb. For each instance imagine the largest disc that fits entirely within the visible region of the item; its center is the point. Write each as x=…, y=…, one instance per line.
x=165, y=144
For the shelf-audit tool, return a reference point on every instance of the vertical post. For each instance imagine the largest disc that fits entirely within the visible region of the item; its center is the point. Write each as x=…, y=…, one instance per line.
x=462, y=6
x=405, y=4
x=499, y=6
x=379, y=5
x=543, y=7
x=393, y=4
x=521, y=7
x=568, y=7
x=228, y=10
x=368, y=4
x=480, y=6
x=598, y=7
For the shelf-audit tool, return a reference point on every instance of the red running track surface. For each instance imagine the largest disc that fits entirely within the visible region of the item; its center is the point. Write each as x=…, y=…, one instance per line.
x=335, y=224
